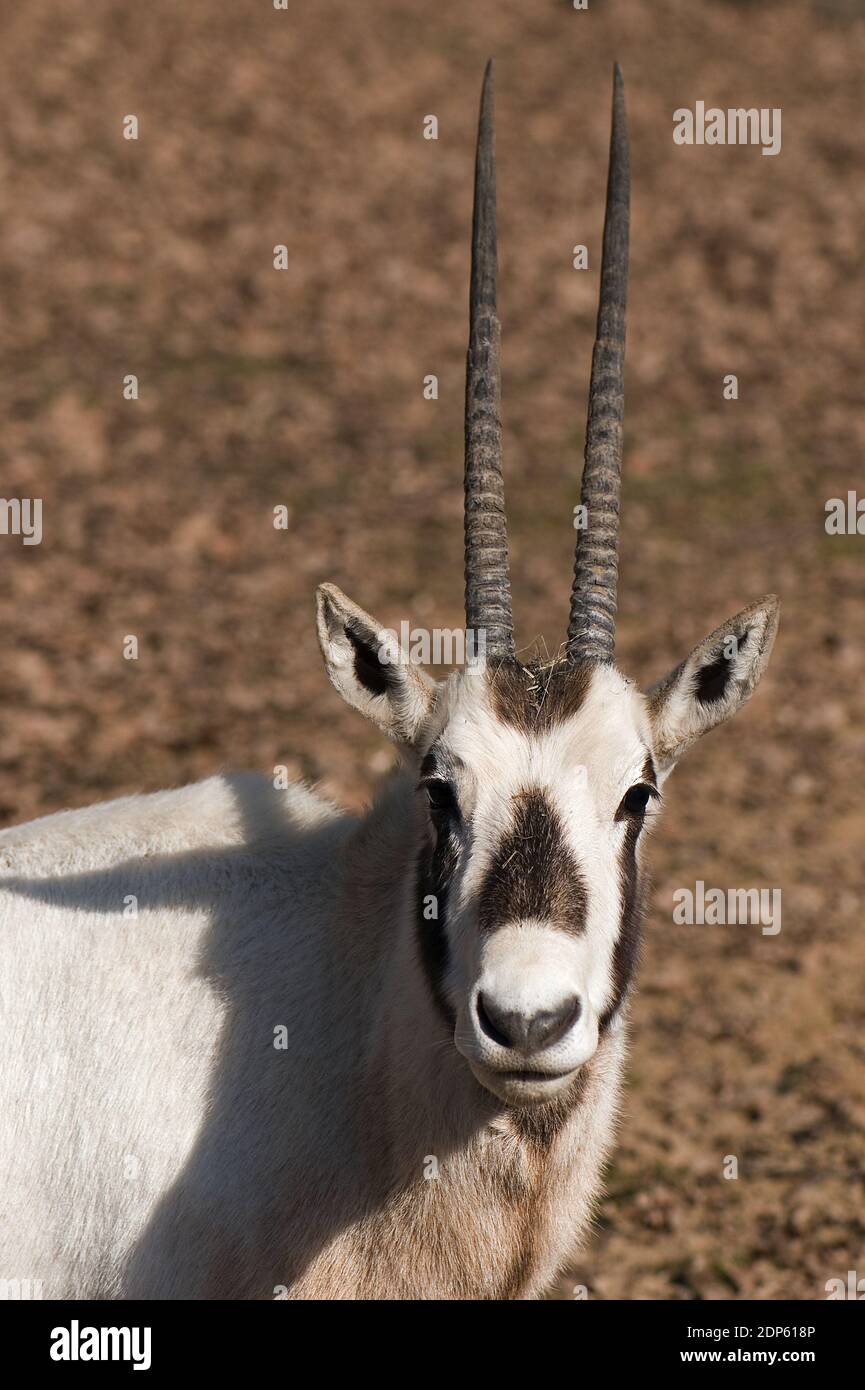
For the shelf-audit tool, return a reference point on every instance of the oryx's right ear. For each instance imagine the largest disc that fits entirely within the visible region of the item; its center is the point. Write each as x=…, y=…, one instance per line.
x=713, y=682
x=368, y=669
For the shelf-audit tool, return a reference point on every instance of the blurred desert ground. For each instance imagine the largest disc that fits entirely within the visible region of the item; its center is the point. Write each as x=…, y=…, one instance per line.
x=304, y=387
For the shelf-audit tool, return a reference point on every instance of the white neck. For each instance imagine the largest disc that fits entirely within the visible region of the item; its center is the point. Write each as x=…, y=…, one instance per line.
x=470, y=1199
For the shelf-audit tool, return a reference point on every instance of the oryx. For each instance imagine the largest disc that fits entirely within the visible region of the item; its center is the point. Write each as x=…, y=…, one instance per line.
x=256, y=1047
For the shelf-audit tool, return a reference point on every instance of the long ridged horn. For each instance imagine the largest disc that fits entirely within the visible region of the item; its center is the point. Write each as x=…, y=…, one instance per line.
x=488, y=590
x=592, y=625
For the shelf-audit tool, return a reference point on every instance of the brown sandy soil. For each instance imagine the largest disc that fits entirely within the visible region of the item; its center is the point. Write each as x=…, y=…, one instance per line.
x=303, y=387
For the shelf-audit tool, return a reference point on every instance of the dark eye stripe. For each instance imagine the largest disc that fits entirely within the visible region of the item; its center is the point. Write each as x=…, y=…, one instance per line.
x=626, y=952
x=435, y=869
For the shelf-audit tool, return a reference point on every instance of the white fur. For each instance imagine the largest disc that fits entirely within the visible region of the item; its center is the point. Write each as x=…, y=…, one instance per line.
x=155, y=1142
x=583, y=766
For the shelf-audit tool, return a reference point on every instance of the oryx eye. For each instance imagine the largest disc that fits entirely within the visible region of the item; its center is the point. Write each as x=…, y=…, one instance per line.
x=441, y=796
x=636, y=799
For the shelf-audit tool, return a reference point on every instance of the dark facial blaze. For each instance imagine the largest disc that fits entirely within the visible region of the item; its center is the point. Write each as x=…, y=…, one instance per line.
x=534, y=874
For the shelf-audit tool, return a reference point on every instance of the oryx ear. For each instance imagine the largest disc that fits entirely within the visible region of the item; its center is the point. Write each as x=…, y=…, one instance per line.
x=368, y=669
x=716, y=679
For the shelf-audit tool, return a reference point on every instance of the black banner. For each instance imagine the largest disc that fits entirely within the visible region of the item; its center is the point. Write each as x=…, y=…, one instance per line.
x=156, y=1339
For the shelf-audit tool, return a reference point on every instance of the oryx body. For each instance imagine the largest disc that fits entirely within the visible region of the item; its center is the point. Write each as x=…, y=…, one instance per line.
x=163, y=1138
x=254, y=1045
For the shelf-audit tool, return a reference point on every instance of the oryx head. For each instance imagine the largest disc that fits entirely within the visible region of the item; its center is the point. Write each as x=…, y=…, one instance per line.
x=536, y=781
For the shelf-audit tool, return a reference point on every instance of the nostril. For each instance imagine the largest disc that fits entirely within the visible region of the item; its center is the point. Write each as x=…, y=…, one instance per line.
x=528, y=1032
x=549, y=1026
x=493, y=1022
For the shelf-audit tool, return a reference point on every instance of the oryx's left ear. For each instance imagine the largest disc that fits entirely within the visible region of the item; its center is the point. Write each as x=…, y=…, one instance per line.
x=717, y=678
x=368, y=669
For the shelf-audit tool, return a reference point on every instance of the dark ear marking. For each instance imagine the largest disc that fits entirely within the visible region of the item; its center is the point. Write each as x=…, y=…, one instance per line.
x=713, y=680
x=370, y=670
